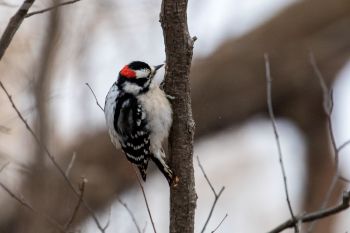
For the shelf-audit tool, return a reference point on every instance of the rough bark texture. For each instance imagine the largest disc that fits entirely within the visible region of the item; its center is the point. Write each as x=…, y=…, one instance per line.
x=179, y=49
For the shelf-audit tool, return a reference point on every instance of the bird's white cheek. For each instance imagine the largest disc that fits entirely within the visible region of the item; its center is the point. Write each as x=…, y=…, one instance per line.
x=157, y=80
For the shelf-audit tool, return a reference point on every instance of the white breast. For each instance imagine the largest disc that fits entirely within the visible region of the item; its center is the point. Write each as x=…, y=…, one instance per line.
x=159, y=115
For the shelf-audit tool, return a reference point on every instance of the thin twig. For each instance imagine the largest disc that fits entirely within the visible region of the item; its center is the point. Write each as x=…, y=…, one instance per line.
x=328, y=108
x=98, y=104
x=29, y=207
x=109, y=218
x=315, y=215
x=51, y=8
x=219, y=224
x=216, y=195
x=327, y=101
x=53, y=160
x=342, y=146
x=75, y=211
x=327, y=105
x=273, y=121
x=145, y=198
x=12, y=27
x=71, y=163
x=205, y=176
x=130, y=213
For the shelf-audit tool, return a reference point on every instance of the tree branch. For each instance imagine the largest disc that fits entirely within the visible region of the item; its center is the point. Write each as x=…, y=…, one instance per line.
x=51, y=8
x=131, y=214
x=342, y=146
x=179, y=50
x=216, y=195
x=92, y=91
x=70, y=165
x=75, y=211
x=273, y=121
x=12, y=27
x=328, y=109
x=17, y=19
x=315, y=215
x=216, y=228
x=29, y=207
x=53, y=160
x=145, y=198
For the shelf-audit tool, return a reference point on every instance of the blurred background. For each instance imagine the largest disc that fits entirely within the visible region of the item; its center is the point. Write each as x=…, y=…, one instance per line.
x=54, y=54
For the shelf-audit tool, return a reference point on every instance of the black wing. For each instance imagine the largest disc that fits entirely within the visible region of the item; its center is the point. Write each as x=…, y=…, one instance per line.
x=130, y=124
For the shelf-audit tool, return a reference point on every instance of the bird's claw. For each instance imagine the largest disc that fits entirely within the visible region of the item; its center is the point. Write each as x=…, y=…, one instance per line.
x=170, y=97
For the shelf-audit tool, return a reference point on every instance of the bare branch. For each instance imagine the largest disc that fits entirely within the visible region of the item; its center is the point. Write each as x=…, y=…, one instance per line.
x=342, y=146
x=205, y=176
x=216, y=195
x=327, y=100
x=29, y=207
x=315, y=215
x=145, y=198
x=328, y=107
x=109, y=218
x=216, y=228
x=51, y=8
x=12, y=27
x=273, y=121
x=98, y=104
x=53, y=160
x=75, y=211
x=130, y=213
x=70, y=165
x=327, y=104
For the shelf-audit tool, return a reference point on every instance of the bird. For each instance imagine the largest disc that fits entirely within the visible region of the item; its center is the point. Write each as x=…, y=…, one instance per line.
x=139, y=117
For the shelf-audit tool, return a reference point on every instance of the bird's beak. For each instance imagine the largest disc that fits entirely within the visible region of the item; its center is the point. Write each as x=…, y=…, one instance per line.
x=158, y=67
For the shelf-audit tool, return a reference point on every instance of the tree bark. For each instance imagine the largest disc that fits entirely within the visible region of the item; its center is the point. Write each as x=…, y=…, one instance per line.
x=179, y=50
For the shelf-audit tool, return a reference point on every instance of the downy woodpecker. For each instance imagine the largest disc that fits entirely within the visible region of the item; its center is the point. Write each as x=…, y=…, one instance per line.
x=139, y=116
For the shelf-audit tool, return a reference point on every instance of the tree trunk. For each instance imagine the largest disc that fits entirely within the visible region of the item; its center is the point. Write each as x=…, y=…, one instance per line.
x=179, y=49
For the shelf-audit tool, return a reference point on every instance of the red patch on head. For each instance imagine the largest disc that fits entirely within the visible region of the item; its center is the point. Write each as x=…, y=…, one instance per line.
x=127, y=72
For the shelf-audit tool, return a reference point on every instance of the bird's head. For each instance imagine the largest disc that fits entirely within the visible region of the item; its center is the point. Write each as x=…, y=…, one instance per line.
x=136, y=77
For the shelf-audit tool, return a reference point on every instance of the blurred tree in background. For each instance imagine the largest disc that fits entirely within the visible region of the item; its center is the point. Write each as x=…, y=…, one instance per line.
x=60, y=50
